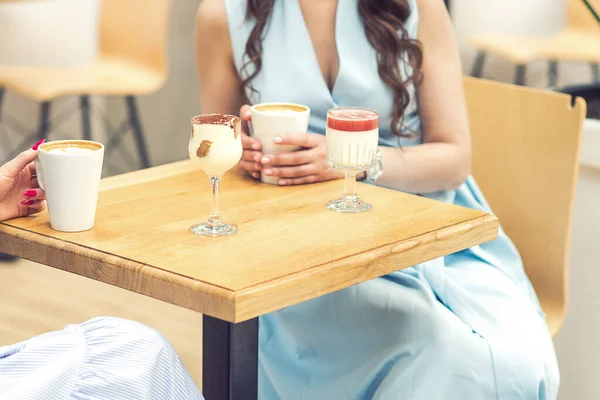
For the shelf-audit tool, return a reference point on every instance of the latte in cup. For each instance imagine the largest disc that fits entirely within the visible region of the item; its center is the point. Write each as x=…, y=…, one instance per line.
x=270, y=120
x=69, y=172
x=283, y=108
x=71, y=146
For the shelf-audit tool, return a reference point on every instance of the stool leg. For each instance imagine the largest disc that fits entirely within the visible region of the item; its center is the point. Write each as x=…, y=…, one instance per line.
x=595, y=72
x=84, y=104
x=44, y=126
x=477, y=70
x=1, y=101
x=134, y=122
x=552, y=73
x=520, y=75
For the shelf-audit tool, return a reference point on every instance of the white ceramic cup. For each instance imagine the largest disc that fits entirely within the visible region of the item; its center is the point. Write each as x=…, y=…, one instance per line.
x=270, y=120
x=69, y=172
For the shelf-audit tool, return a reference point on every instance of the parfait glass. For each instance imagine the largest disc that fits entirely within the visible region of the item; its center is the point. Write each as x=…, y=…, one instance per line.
x=216, y=146
x=352, y=136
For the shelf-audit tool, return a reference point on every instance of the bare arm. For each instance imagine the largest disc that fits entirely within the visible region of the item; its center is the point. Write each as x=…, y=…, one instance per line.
x=219, y=82
x=443, y=161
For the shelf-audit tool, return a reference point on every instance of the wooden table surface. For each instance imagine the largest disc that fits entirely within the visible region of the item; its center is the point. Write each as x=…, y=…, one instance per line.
x=289, y=248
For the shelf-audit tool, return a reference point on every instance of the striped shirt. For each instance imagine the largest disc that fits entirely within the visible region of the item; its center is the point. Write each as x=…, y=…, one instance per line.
x=101, y=359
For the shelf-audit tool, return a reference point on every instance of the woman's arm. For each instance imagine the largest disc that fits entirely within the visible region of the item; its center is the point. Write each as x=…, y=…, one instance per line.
x=219, y=83
x=443, y=161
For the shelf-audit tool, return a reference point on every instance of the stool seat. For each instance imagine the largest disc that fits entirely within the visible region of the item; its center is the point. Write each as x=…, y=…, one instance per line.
x=568, y=45
x=106, y=76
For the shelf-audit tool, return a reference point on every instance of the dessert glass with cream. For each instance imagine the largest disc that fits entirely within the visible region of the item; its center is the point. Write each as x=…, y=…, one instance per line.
x=216, y=146
x=352, y=136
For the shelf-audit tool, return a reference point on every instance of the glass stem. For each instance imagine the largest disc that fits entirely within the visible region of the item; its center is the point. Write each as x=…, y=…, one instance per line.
x=215, y=216
x=350, y=185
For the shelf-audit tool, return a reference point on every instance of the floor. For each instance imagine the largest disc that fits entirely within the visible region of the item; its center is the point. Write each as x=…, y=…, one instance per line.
x=37, y=299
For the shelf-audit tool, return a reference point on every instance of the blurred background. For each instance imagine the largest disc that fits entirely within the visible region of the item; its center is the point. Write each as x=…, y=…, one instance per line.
x=552, y=44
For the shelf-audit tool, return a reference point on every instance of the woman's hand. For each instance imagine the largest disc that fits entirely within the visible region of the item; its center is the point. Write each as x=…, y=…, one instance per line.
x=20, y=193
x=308, y=165
x=252, y=149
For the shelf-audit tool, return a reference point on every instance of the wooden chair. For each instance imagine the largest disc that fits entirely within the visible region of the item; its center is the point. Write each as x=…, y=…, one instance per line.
x=526, y=146
x=579, y=41
x=132, y=62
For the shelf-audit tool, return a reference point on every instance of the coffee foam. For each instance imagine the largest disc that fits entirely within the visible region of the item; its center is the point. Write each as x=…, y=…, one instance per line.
x=70, y=147
x=280, y=108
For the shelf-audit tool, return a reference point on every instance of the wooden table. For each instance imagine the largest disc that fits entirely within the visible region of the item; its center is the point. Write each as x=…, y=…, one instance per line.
x=289, y=249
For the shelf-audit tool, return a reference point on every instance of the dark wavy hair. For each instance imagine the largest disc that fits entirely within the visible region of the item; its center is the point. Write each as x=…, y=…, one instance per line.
x=383, y=22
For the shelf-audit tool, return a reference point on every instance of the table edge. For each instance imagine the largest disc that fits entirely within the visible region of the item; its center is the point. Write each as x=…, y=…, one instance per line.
x=388, y=258
x=247, y=303
x=107, y=268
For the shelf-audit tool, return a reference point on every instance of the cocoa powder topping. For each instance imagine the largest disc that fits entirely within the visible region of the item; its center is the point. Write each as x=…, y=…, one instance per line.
x=230, y=121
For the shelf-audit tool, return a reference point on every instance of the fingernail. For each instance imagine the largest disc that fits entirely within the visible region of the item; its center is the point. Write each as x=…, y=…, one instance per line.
x=38, y=144
x=277, y=139
x=282, y=182
x=256, y=146
x=30, y=193
x=268, y=172
x=27, y=202
x=265, y=160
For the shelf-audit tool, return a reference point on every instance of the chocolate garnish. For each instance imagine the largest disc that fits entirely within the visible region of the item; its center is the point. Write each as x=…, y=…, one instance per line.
x=203, y=148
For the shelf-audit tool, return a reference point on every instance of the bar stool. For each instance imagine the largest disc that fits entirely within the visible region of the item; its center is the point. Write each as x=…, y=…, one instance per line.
x=579, y=41
x=132, y=62
x=526, y=147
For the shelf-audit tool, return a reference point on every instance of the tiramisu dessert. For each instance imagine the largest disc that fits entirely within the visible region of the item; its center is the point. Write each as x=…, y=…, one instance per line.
x=215, y=142
x=216, y=146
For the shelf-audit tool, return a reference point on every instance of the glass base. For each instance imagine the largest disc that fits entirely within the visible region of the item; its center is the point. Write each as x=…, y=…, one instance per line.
x=349, y=204
x=208, y=229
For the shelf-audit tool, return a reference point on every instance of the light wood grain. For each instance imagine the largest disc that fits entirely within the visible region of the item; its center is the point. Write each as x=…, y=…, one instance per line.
x=579, y=41
x=526, y=146
x=290, y=248
x=132, y=60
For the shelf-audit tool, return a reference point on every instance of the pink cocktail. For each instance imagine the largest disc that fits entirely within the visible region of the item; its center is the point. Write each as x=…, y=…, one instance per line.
x=352, y=137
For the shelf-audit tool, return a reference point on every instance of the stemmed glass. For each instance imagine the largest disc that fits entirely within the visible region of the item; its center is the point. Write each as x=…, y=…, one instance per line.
x=216, y=146
x=352, y=137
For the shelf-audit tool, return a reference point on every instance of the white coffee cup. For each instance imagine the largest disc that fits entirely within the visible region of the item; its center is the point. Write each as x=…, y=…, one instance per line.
x=69, y=171
x=270, y=120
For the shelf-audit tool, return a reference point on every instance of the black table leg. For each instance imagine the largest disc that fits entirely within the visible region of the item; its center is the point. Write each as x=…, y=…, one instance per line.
x=230, y=359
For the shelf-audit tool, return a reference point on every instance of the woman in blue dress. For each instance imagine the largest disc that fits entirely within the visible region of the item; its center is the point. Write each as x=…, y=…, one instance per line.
x=465, y=326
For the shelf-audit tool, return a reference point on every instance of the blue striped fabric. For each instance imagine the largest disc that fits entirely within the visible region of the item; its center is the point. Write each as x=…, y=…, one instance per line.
x=101, y=359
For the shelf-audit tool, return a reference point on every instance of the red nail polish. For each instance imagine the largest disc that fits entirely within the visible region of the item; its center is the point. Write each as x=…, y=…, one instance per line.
x=38, y=144
x=27, y=202
x=30, y=193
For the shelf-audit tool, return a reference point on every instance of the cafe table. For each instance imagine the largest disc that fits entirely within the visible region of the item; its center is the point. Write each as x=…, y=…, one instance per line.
x=289, y=249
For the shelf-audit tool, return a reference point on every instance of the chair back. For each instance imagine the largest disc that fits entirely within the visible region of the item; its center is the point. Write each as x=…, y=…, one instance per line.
x=136, y=30
x=526, y=145
x=580, y=18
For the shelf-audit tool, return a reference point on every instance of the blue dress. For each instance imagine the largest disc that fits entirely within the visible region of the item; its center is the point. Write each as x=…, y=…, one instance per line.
x=461, y=327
